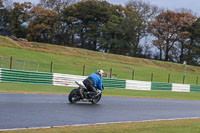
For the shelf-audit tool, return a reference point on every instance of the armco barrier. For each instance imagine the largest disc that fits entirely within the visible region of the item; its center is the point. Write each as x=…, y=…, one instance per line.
x=161, y=86
x=66, y=79
x=28, y=77
x=194, y=88
x=19, y=76
x=180, y=87
x=138, y=85
x=114, y=83
x=69, y=80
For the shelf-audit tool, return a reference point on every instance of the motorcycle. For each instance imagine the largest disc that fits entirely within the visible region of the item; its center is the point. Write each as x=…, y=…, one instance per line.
x=82, y=94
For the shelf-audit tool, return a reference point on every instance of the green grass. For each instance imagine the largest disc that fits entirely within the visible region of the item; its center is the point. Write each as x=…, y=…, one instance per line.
x=30, y=88
x=170, y=126
x=46, y=89
x=71, y=61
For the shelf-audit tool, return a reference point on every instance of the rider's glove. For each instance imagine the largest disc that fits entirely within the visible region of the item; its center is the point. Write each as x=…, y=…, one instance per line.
x=99, y=91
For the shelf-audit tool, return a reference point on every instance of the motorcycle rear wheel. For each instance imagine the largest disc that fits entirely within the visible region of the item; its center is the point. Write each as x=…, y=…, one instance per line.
x=74, y=96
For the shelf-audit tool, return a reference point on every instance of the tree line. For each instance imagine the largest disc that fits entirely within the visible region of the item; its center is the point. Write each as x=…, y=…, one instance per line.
x=137, y=29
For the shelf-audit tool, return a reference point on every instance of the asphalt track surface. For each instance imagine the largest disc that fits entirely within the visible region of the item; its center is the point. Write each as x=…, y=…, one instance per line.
x=33, y=110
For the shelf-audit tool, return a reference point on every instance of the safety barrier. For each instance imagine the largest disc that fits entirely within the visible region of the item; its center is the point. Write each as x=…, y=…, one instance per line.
x=69, y=80
x=194, y=88
x=29, y=77
x=66, y=79
x=161, y=86
x=114, y=83
x=180, y=87
x=138, y=85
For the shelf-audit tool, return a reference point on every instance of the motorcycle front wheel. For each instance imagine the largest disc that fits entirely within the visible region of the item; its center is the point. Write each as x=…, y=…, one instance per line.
x=74, y=96
x=96, y=99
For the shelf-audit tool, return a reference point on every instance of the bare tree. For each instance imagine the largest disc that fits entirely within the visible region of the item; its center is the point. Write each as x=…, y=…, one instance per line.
x=145, y=12
x=56, y=5
x=144, y=9
x=8, y=3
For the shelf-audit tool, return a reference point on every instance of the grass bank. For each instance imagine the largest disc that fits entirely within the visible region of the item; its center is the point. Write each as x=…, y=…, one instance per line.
x=47, y=89
x=71, y=60
x=169, y=126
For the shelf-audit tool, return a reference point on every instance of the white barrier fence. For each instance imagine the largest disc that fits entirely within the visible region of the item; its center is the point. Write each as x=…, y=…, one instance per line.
x=67, y=79
x=181, y=87
x=138, y=85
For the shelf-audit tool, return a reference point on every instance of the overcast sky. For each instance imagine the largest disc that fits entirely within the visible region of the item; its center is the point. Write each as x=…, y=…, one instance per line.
x=193, y=5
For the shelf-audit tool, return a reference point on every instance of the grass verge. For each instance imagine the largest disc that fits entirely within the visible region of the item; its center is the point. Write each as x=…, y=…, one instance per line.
x=47, y=89
x=71, y=60
x=168, y=126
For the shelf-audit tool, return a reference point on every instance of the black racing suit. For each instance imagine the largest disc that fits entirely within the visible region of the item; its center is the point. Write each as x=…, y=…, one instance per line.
x=89, y=84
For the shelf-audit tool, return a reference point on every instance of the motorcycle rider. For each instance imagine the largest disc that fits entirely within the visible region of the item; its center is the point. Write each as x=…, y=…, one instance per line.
x=94, y=82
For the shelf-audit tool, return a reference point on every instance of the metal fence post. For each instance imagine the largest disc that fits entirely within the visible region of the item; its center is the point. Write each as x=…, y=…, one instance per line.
x=51, y=68
x=110, y=72
x=83, y=70
x=183, y=79
x=151, y=77
x=133, y=74
x=11, y=62
x=168, y=78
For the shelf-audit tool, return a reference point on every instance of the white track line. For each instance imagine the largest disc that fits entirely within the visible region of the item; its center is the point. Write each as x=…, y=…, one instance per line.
x=78, y=125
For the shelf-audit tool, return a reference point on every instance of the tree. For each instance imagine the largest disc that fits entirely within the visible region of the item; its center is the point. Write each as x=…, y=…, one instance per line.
x=19, y=18
x=169, y=28
x=1, y=4
x=193, y=53
x=43, y=25
x=111, y=39
x=56, y=5
x=119, y=33
x=185, y=40
x=85, y=20
x=145, y=12
x=8, y=4
x=4, y=16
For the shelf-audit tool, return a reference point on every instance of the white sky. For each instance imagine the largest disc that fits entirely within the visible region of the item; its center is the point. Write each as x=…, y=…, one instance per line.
x=193, y=5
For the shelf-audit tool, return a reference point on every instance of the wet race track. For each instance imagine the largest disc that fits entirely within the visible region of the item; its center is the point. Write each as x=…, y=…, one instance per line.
x=34, y=110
